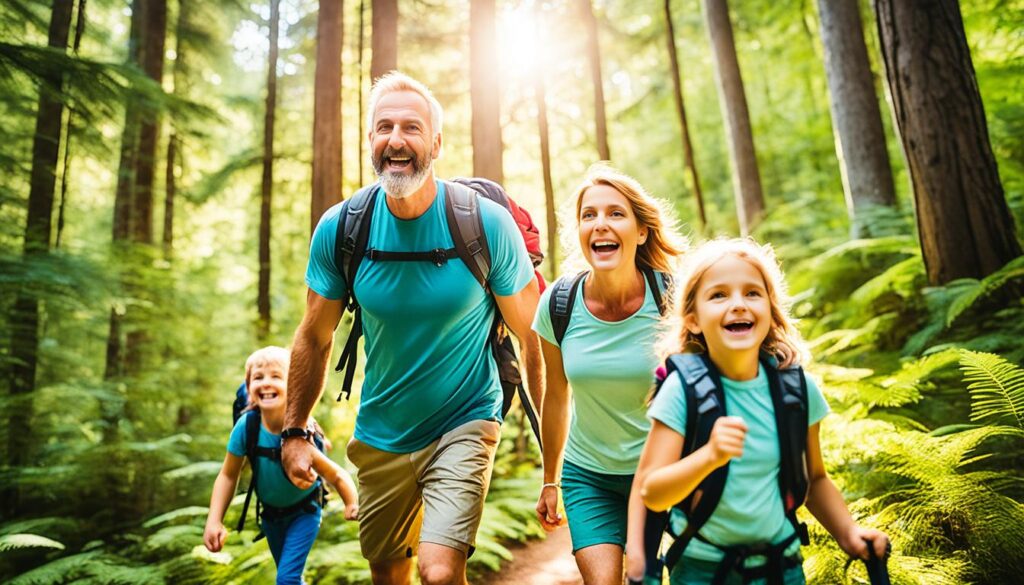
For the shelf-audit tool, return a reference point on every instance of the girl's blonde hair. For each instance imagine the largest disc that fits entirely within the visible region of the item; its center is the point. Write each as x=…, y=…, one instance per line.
x=663, y=243
x=264, y=356
x=783, y=341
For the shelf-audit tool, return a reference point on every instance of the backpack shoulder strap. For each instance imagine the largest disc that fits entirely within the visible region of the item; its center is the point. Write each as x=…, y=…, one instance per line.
x=462, y=210
x=561, y=302
x=353, y=234
x=705, y=404
x=788, y=389
x=660, y=284
x=252, y=436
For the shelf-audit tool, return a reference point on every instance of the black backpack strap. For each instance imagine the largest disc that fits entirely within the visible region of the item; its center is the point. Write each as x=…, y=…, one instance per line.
x=462, y=210
x=252, y=436
x=561, y=302
x=660, y=284
x=789, y=399
x=349, y=250
x=705, y=403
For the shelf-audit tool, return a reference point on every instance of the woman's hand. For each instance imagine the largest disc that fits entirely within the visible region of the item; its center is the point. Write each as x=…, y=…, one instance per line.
x=547, y=508
x=855, y=542
x=636, y=563
x=214, y=536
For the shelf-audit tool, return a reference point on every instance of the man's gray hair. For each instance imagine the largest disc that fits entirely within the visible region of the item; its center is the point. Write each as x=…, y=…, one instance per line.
x=393, y=81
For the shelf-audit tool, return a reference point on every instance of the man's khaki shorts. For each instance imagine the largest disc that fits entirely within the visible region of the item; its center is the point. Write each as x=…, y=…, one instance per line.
x=432, y=495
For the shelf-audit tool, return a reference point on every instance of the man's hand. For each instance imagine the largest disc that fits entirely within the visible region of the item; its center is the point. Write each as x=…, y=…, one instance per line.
x=547, y=509
x=297, y=461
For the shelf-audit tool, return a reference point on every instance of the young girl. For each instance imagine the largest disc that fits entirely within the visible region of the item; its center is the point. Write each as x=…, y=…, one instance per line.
x=291, y=517
x=606, y=352
x=732, y=305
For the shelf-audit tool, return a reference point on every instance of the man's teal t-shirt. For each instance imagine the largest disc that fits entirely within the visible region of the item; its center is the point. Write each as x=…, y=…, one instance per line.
x=610, y=367
x=272, y=484
x=750, y=510
x=429, y=368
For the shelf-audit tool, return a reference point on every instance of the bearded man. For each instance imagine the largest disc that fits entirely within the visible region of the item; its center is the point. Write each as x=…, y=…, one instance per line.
x=427, y=426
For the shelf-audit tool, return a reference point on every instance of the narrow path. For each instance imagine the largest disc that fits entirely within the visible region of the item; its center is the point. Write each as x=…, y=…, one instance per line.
x=540, y=562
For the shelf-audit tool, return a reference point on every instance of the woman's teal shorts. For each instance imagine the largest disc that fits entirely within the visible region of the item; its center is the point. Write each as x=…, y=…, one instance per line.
x=596, y=505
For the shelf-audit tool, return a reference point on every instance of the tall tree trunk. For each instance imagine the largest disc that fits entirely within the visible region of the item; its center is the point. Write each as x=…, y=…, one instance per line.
x=856, y=119
x=485, y=91
x=384, y=41
x=359, y=50
x=178, y=76
x=129, y=138
x=539, y=92
x=327, y=128
x=745, y=176
x=586, y=11
x=65, y=175
x=677, y=84
x=964, y=223
x=38, y=231
x=267, y=186
x=154, y=38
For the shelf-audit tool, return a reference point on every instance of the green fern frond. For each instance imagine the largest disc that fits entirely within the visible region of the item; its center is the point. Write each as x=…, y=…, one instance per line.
x=996, y=387
x=62, y=570
x=187, y=512
x=24, y=540
x=1012, y=272
x=201, y=469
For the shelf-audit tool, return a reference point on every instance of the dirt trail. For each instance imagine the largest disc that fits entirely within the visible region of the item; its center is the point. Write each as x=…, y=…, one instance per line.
x=540, y=562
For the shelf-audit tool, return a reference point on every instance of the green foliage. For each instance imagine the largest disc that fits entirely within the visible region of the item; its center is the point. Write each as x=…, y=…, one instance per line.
x=15, y=541
x=997, y=388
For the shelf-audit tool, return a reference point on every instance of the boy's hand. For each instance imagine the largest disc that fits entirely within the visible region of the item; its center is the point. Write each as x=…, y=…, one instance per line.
x=352, y=511
x=297, y=460
x=855, y=545
x=726, y=441
x=213, y=536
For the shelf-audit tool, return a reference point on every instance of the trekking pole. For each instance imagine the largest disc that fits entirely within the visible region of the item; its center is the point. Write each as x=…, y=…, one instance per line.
x=878, y=570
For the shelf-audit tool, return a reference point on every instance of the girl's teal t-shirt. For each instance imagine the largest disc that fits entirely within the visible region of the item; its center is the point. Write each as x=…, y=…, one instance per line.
x=272, y=484
x=610, y=368
x=750, y=510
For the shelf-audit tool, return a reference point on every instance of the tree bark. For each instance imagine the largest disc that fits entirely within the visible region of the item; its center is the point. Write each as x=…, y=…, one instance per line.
x=267, y=185
x=327, y=169
x=684, y=127
x=586, y=11
x=384, y=41
x=359, y=50
x=129, y=138
x=856, y=118
x=733, y=101
x=963, y=221
x=539, y=92
x=25, y=317
x=154, y=38
x=178, y=75
x=485, y=91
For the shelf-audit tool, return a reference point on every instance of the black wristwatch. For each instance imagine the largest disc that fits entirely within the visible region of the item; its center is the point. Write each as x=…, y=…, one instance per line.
x=296, y=432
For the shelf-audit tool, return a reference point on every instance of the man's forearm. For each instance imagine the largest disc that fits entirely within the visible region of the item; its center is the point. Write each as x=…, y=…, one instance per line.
x=305, y=376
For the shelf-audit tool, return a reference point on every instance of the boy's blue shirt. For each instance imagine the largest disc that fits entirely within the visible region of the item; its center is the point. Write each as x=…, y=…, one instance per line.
x=426, y=327
x=272, y=485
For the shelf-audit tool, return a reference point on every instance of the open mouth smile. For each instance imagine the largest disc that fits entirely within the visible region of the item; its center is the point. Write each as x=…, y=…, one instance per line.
x=739, y=327
x=604, y=246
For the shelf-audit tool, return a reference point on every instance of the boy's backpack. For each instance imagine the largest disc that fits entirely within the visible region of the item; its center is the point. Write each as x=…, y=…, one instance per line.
x=462, y=211
x=253, y=452
x=240, y=403
x=565, y=290
x=705, y=403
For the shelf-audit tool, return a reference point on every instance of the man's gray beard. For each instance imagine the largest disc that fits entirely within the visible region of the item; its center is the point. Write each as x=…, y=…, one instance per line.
x=401, y=186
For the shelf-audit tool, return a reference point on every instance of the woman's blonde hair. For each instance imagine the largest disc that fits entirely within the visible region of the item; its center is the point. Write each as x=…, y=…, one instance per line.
x=264, y=356
x=663, y=243
x=783, y=340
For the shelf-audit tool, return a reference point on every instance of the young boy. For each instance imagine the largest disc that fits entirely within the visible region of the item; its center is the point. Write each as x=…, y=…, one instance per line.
x=291, y=516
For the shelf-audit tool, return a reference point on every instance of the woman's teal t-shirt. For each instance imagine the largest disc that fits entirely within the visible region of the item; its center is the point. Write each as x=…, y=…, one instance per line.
x=272, y=486
x=750, y=510
x=610, y=367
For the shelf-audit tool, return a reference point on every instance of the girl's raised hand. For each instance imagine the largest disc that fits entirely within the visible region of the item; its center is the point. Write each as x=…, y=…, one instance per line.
x=726, y=441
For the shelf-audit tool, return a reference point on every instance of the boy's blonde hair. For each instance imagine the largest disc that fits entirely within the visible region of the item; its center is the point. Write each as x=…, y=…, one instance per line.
x=783, y=340
x=271, y=354
x=663, y=244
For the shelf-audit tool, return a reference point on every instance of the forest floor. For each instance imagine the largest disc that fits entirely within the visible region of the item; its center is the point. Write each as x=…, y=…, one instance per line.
x=540, y=562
